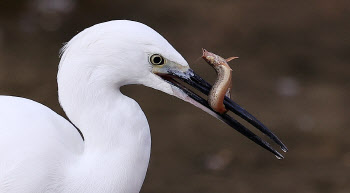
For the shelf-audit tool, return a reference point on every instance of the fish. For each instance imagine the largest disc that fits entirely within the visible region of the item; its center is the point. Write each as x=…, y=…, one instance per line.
x=223, y=83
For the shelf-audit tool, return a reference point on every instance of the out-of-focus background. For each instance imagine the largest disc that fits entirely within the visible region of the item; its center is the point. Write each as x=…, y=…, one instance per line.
x=293, y=74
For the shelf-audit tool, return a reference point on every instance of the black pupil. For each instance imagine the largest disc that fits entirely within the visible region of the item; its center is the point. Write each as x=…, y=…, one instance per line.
x=157, y=59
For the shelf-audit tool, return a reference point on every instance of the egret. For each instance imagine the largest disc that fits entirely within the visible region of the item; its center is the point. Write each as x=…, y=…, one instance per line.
x=40, y=151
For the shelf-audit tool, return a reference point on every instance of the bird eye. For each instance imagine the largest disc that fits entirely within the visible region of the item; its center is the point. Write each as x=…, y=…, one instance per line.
x=157, y=59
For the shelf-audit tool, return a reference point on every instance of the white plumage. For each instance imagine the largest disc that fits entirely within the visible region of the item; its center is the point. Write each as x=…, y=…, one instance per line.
x=42, y=152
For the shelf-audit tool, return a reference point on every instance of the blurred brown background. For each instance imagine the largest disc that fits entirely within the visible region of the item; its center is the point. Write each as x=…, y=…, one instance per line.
x=293, y=74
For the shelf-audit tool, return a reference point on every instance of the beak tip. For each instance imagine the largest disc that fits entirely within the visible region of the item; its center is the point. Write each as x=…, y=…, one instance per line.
x=284, y=149
x=282, y=146
x=279, y=157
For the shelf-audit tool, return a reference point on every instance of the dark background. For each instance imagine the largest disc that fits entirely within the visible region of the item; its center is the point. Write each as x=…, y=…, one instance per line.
x=293, y=74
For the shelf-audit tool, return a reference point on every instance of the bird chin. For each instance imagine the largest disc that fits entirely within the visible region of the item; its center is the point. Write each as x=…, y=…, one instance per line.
x=183, y=96
x=178, y=91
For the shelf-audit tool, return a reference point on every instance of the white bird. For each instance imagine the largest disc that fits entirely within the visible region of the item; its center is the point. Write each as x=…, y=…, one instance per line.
x=40, y=151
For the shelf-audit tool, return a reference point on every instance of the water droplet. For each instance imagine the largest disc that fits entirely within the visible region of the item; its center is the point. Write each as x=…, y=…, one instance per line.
x=284, y=149
x=278, y=157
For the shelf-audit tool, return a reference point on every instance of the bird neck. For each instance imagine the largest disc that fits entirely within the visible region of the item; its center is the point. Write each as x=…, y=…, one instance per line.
x=111, y=122
x=117, y=137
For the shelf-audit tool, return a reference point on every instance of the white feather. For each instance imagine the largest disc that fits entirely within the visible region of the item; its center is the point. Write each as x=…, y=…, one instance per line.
x=42, y=152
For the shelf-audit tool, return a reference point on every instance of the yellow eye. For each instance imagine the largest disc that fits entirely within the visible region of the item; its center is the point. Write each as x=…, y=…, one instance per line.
x=157, y=59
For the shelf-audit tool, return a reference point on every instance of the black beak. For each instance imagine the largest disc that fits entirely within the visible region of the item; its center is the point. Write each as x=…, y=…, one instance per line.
x=201, y=85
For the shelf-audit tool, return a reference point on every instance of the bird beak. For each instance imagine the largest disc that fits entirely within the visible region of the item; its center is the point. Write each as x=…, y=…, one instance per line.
x=175, y=75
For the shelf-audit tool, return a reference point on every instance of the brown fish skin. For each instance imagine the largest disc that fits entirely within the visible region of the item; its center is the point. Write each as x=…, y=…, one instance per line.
x=222, y=85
